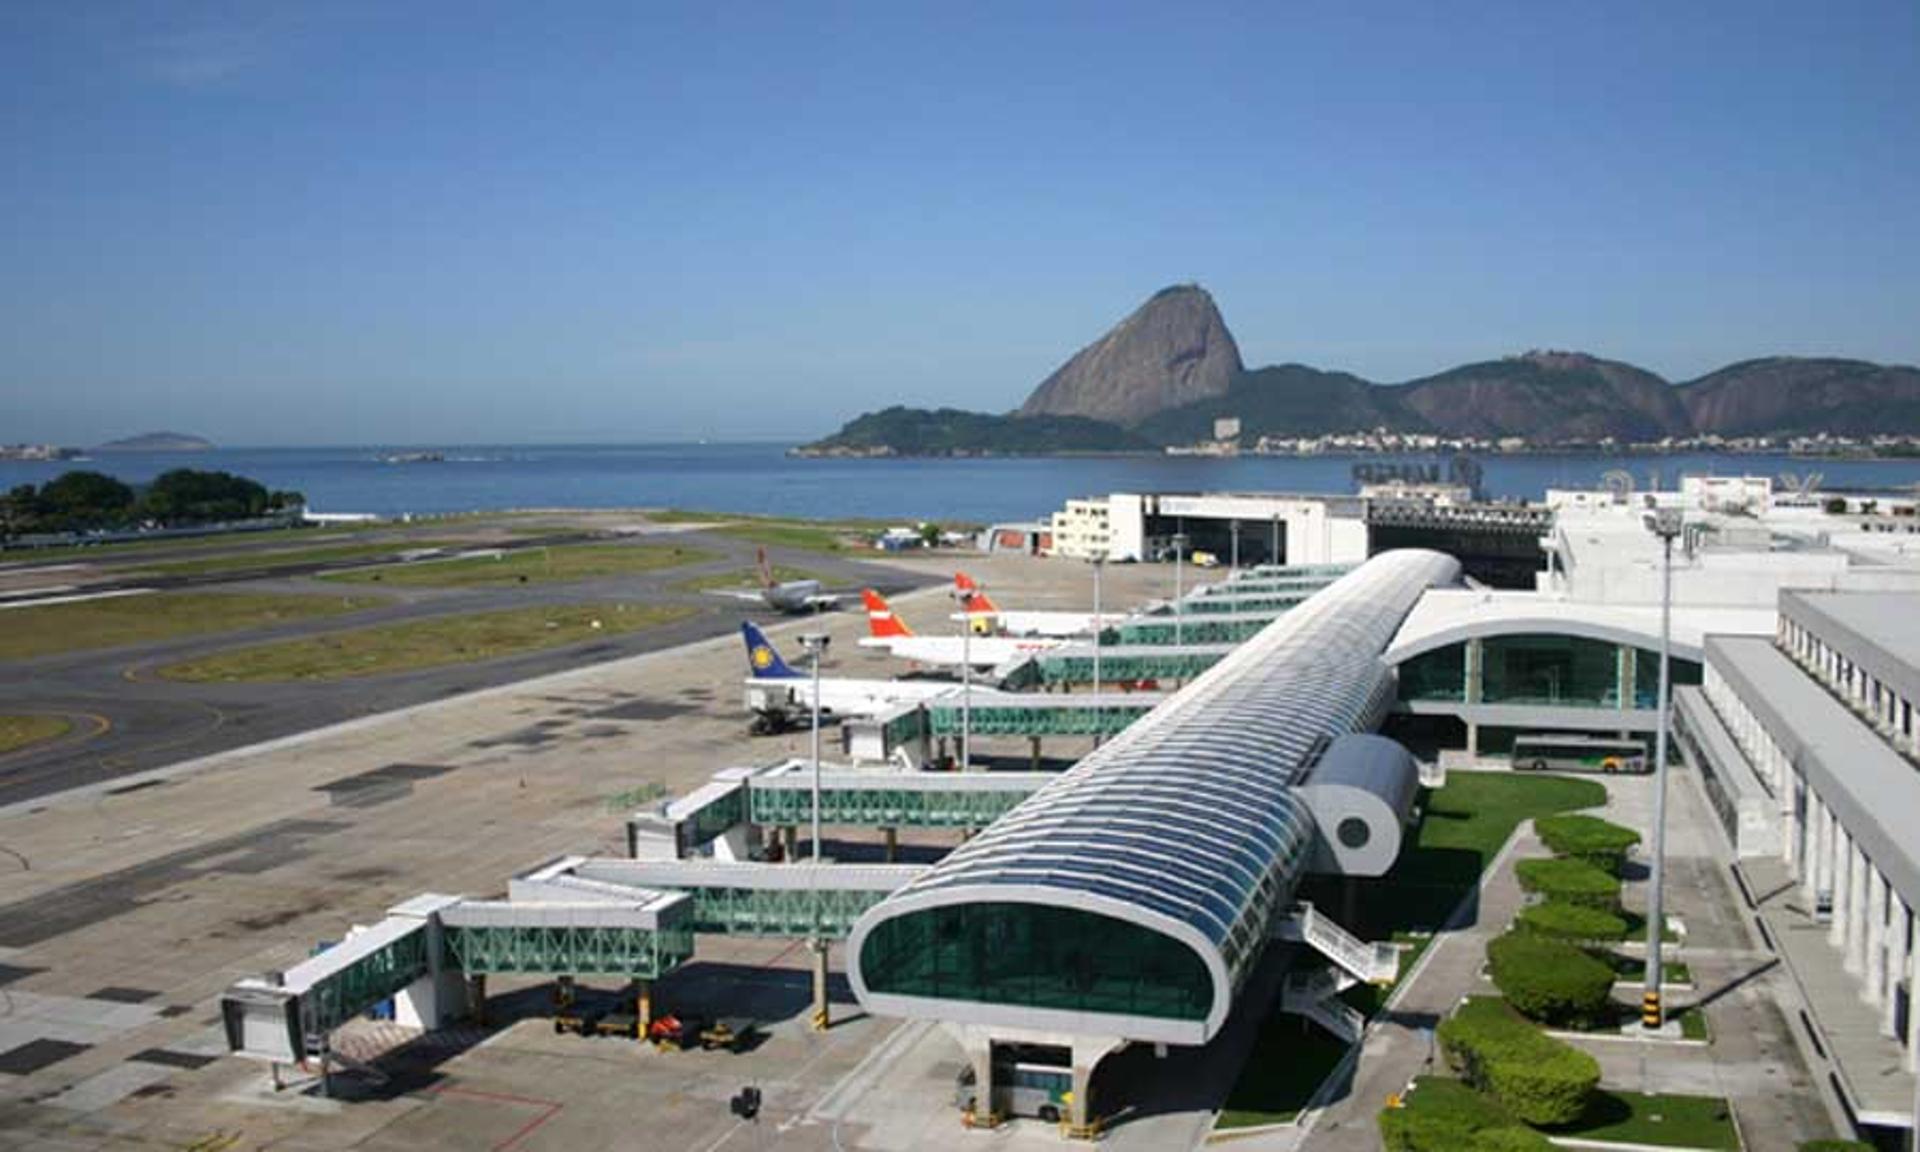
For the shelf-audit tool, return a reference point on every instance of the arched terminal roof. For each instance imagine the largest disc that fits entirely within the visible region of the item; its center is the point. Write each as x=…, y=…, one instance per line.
x=1130, y=896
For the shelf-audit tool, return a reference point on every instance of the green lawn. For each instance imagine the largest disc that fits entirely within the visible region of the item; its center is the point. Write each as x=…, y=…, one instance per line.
x=531, y=566
x=1442, y=1114
x=1464, y=826
x=287, y=558
x=54, y=628
x=742, y=579
x=17, y=732
x=1667, y=1120
x=1289, y=1060
x=417, y=644
x=1444, y=1105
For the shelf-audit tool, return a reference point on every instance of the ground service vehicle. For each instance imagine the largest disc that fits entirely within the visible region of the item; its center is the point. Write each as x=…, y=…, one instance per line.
x=1571, y=752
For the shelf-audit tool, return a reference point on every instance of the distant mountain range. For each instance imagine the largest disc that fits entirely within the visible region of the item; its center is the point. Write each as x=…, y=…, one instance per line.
x=1163, y=375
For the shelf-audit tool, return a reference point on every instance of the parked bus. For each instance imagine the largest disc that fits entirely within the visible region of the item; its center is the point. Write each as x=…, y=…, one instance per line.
x=1043, y=1091
x=1571, y=752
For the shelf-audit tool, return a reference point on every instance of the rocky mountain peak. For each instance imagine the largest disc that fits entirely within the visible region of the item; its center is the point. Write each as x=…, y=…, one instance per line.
x=1173, y=350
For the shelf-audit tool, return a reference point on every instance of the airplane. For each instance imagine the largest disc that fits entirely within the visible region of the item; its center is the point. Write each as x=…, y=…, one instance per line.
x=980, y=607
x=778, y=693
x=791, y=596
x=891, y=633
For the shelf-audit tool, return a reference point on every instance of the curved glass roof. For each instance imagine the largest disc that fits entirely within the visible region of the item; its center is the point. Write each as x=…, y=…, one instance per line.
x=1189, y=815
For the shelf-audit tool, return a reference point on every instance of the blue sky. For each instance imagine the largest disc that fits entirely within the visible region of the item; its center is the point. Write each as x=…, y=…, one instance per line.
x=337, y=223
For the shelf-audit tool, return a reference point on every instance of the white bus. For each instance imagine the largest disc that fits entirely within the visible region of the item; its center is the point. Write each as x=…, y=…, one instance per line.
x=1571, y=752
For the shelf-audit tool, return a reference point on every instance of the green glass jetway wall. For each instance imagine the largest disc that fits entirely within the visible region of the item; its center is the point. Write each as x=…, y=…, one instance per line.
x=971, y=800
x=1207, y=628
x=1043, y=716
x=583, y=950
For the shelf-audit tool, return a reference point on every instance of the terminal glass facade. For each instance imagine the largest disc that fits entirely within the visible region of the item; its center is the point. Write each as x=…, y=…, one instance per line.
x=1540, y=669
x=1036, y=956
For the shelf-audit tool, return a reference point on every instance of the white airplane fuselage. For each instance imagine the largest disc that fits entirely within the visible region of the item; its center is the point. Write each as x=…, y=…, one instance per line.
x=838, y=697
x=953, y=651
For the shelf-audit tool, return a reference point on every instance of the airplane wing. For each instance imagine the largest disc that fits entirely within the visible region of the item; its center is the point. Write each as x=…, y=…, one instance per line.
x=825, y=601
x=737, y=594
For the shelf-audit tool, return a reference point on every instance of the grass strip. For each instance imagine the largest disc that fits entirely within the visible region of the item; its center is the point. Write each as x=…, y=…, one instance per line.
x=429, y=643
x=55, y=628
x=530, y=566
x=1667, y=1120
x=292, y=558
x=17, y=732
x=742, y=580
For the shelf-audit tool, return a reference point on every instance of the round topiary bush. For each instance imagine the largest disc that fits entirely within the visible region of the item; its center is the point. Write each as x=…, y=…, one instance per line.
x=1550, y=980
x=1529, y=1073
x=1574, y=881
x=1570, y=921
x=1598, y=842
x=1445, y=1115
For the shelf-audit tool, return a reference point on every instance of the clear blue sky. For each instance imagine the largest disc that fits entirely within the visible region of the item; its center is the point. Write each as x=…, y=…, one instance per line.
x=337, y=223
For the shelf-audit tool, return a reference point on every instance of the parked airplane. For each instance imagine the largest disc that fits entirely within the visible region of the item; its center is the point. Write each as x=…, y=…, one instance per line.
x=778, y=694
x=891, y=633
x=982, y=609
x=791, y=596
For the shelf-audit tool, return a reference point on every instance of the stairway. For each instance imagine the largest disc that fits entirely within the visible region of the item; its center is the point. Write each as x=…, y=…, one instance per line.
x=1370, y=963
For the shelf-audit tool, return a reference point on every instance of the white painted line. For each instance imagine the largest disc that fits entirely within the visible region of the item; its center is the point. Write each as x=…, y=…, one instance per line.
x=74, y=599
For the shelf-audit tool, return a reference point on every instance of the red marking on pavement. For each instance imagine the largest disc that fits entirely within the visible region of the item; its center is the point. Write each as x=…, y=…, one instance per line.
x=550, y=1109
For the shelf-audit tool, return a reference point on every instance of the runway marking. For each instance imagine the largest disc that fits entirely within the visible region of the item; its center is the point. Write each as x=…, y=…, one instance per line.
x=74, y=599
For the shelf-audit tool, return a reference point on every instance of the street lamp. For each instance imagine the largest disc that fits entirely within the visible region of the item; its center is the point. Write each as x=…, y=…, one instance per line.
x=816, y=645
x=1179, y=578
x=965, y=597
x=1666, y=523
x=1099, y=624
x=1233, y=563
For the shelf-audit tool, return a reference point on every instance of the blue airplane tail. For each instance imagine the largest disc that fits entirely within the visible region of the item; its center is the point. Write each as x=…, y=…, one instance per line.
x=762, y=658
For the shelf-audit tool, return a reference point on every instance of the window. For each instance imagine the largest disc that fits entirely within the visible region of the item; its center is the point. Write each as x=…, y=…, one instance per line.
x=1036, y=956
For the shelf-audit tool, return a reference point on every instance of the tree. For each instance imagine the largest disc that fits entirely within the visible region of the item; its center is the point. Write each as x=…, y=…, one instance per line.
x=186, y=496
x=76, y=501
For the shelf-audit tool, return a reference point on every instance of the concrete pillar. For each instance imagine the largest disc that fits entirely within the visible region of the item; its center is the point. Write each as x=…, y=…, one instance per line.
x=1842, y=891
x=1913, y=1010
x=1857, y=912
x=893, y=844
x=1815, y=872
x=1033, y=748
x=1876, y=936
x=477, y=998
x=1087, y=1054
x=980, y=1055
x=822, y=1017
x=643, y=1006
x=1473, y=741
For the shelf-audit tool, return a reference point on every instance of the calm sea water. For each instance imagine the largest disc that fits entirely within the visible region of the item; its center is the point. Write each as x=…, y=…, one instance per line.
x=762, y=478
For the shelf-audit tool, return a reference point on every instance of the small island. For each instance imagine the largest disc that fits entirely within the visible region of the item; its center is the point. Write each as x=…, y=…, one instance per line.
x=158, y=442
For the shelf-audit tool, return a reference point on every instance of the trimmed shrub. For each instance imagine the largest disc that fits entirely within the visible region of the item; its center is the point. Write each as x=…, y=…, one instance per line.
x=1445, y=1115
x=1575, y=881
x=1570, y=921
x=1550, y=980
x=1529, y=1073
x=1598, y=842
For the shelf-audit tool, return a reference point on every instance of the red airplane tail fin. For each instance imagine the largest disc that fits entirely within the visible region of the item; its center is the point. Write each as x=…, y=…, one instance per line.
x=880, y=618
x=978, y=602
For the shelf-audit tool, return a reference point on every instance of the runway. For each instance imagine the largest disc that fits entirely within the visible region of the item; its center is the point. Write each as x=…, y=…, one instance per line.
x=127, y=720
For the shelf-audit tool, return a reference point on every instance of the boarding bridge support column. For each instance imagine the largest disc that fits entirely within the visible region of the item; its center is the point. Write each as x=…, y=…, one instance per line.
x=441, y=994
x=893, y=844
x=1087, y=1054
x=822, y=1017
x=1033, y=744
x=643, y=1006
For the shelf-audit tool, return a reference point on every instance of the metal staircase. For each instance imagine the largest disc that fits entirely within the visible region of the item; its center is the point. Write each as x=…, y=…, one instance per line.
x=1369, y=963
x=1315, y=992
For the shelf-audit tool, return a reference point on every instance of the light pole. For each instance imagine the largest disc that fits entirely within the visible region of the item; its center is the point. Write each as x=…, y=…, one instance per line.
x=1666, y=523
x=816, y=645
x=1179, y=578
x=965, y=597
x=1233, y=564
x=1099, y=562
